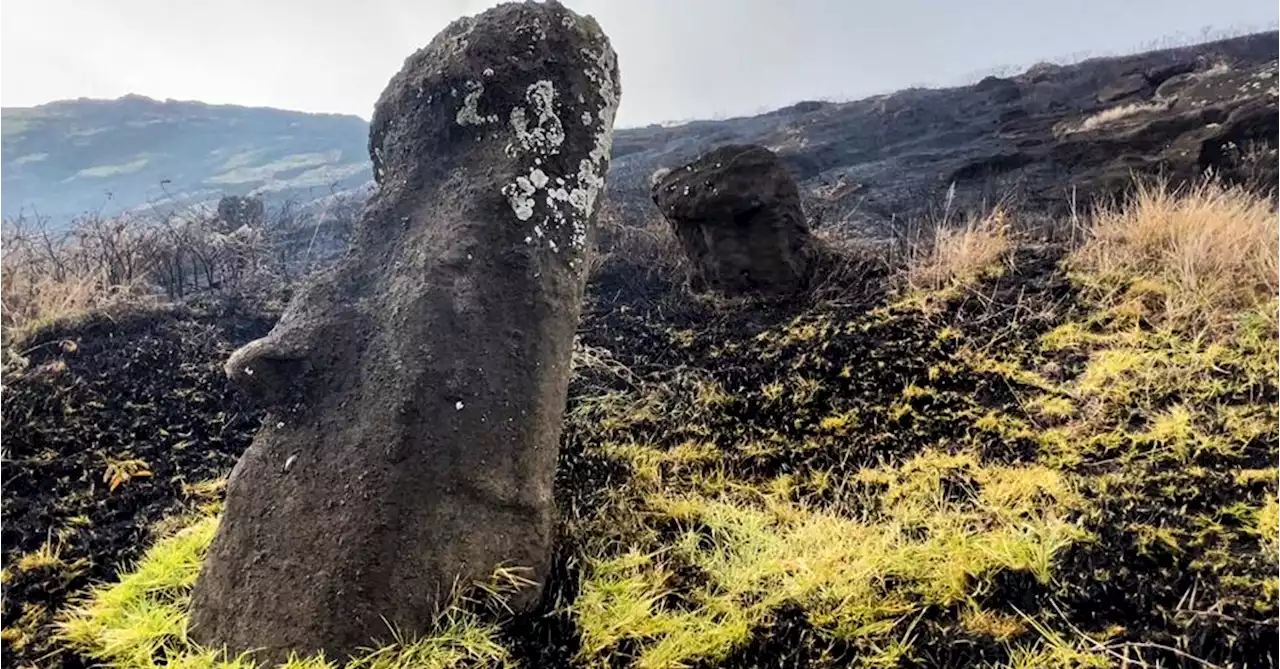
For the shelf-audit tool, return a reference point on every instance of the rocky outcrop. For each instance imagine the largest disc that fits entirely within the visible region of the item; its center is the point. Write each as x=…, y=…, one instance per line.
x=416, y=388
x=236, y=211
x=738, y=216
x=882, y=161
x=1221, y=121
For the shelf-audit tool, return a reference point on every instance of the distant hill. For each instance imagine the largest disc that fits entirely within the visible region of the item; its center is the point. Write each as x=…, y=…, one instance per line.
x=65, y=158
x=1039, y=139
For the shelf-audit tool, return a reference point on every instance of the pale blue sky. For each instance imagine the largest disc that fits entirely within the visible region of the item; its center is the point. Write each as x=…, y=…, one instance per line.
x=680, y=59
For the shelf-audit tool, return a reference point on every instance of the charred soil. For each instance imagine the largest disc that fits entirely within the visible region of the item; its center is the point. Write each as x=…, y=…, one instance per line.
x=116, y=423
x=704, y=435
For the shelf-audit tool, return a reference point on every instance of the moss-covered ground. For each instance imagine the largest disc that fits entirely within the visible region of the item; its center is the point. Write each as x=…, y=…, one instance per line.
x=1042, y=464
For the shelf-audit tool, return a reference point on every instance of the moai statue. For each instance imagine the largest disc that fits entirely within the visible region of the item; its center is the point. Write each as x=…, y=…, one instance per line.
x=416, y=389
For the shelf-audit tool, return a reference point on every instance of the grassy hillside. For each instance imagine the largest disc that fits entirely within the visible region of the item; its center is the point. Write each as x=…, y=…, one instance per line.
x=995, y=453
x=67, y=158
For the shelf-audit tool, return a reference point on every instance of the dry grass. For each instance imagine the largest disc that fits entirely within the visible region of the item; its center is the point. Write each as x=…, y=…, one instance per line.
x=653, y=245
x=34, y=294
x=1199, y=256
x=1114, y=114
x=27, y=301
x=961, y=257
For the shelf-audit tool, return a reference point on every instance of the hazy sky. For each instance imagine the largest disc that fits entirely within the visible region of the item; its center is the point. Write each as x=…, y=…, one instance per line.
x=680, y=59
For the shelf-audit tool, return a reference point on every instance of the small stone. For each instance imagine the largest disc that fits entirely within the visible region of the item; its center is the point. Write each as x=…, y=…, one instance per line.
x=747, y=234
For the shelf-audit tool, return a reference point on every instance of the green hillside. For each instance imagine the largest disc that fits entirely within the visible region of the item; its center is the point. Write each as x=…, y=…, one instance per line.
x=66, y=158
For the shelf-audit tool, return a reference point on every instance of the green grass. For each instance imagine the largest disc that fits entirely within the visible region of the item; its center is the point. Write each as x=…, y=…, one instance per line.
x=246, y=173
x=30, y=158
x=140, y=621
x=18, y=121
x=758, y=549
x=904, y=480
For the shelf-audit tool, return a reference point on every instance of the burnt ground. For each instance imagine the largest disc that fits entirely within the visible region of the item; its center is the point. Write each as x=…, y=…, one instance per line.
x=145, y=387
x=657, y=331
x=1116, y=584
x=149, y=387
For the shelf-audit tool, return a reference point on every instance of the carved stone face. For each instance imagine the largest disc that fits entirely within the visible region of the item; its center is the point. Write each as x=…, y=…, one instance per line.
x=417, y=388
x=483, y=130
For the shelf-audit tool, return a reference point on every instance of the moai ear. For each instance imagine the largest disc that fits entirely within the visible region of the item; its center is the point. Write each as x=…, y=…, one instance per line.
x=266, y=371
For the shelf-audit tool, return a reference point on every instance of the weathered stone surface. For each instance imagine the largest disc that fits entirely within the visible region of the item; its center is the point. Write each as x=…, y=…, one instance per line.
x=737, y=214
x=1001, y=90
x=236, y=211
x=1129, y=85
x=1221, y=120
x=416, y=389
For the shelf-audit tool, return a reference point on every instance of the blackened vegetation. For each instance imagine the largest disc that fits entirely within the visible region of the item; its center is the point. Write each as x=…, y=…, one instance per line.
x=1168, y=605
x=1200, y=591
x=139, y=397
x=877, y=162
x=1202, y=601
x=860, y=359
x=126, y=380
x=789, y=643
x=547, y=635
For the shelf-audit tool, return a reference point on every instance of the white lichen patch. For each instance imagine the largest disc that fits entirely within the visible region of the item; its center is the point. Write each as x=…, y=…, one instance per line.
x=457, y=34
x=520, y=195
x=534, y=30
x=469, y=113
x=591, y=170
x=537, y=134
x=547, y=132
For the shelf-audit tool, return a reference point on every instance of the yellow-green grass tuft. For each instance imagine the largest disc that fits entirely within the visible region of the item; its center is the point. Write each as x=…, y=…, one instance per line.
x=857, y=579
x=140, y=622
x=1191, y=259
x=1268, y=520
